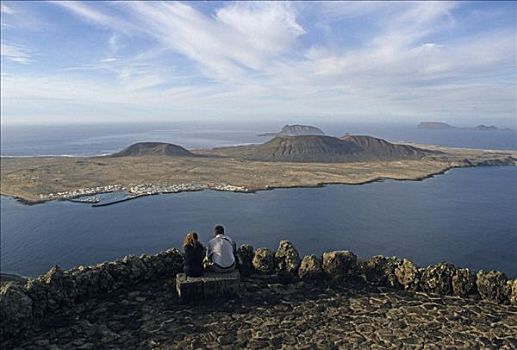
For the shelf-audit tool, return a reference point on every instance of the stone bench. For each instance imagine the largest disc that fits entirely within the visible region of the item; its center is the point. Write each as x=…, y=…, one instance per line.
x=209, y=286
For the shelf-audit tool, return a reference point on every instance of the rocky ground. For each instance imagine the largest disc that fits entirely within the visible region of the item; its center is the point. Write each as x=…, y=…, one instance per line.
x=302, y=315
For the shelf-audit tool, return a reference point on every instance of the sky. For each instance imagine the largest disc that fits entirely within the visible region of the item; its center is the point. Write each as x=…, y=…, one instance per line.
x=91, y=62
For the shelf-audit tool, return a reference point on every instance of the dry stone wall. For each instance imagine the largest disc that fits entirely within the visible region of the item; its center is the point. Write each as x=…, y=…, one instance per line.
x=23, y=305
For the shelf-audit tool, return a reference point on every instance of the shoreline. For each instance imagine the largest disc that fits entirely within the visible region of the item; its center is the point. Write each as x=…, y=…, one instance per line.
x=199, y=188
x=36, y=180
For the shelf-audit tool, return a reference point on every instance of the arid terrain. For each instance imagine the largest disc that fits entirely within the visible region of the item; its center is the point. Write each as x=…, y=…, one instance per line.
x=32, y=179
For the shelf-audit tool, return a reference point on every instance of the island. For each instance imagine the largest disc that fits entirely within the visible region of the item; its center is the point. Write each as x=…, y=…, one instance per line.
x=284, y=161
x=434, y=125
x=296, y=130
x=442, y=125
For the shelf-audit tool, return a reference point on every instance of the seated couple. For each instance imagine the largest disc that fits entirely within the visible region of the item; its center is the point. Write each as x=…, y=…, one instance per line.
x=219, y=255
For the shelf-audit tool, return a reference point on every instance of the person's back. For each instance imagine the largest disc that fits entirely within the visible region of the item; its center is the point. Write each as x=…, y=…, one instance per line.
x=194, y=253
x=220, y=252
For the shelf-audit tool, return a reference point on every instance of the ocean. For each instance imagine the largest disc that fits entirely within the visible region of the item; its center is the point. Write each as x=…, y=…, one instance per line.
x=466, y=216
x=87, y=140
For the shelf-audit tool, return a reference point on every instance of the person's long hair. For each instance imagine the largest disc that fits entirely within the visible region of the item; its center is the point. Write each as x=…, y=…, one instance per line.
x=190, y=239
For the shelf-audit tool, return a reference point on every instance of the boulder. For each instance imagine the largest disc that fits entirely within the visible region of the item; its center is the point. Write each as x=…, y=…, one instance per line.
x=54, y=277
x=408, y=275
x=493, y=286
x=150, y=270
x=339, y=263
x=119, y=272
x=172, y=260
x=104, y=280
x=37, y=291
x=15, y=309
x=136, y=267
x=264, y=261
x=463, y=283
x=310, y=268
x=513, y=295
x=380, y=270
x=244, y=257
x=287, y=258
x=54, y=280
x=438, y=279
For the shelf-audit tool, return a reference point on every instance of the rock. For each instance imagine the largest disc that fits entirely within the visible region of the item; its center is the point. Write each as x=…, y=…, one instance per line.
x=54, y=280
x=310, y=268
x=53, y=277
x=105, y=281
x=245, y=259
x=408, y=275
x=339, y=263
x=38, y=292
x=136, y=267
x=438, y=279
x=15, y=309
x=264, y=261
x=513, y=295
x=380, y=270
x=57, y=288
x=287, y=258
x=493, y=286
x=463, y=283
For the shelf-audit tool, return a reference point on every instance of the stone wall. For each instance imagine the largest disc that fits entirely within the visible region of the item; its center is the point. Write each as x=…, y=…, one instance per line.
x=23, y=305
x=442, y=278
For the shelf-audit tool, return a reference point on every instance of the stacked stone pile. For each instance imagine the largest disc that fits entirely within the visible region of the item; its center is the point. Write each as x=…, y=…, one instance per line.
x=23, y=305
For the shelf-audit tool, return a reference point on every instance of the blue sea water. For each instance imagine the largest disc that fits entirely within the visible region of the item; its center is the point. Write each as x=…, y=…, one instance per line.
x=466, y=216
x=84, y=140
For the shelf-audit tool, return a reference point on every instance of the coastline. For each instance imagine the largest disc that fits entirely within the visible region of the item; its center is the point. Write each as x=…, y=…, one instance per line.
x=239, y=189
x=34, y=180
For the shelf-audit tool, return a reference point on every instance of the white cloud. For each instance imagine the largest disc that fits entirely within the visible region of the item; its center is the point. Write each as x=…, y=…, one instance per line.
x=250, y=59
x=87, y=13
x=108, y=60
x=6, y=9
x=239, y=37
x=15, y=53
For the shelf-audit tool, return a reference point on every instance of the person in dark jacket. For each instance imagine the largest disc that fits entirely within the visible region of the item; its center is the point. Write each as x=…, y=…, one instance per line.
x=194, y=254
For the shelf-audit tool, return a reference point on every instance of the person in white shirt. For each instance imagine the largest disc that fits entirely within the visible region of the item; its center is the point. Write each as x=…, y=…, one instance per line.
x=220, y=252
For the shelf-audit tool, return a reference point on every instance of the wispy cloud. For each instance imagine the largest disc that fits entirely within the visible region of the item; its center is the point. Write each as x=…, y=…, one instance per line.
x=238, y=37
x=6, y=9
x=409, y=59
x=15, y=53
x=91, y=15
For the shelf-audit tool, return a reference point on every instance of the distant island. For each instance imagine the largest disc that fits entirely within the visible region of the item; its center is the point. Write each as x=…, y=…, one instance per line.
x=442, y=125
x=153, y=148
x=147, y=168
x=296, y=130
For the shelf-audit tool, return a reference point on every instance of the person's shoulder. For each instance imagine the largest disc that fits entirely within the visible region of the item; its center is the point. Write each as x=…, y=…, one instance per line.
x=228, y=238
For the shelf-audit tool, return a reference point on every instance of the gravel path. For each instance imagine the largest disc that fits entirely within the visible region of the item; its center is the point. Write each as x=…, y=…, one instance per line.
x=270, y=315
